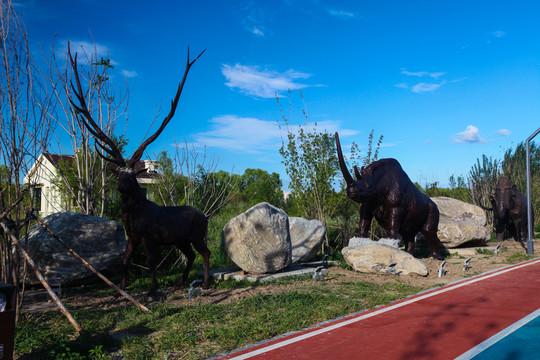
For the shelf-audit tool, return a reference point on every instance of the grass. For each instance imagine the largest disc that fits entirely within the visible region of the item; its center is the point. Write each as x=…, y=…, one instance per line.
x=197, y=332
x=485, y=252
x=519, y=257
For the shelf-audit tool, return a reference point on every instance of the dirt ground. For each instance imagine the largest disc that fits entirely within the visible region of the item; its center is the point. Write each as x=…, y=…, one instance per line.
x=480, y=262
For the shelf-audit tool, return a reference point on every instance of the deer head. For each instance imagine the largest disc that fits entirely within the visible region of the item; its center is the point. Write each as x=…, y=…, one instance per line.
x=126, y=174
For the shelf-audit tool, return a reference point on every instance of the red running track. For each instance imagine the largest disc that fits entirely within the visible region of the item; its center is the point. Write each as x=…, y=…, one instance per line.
x=439, y=324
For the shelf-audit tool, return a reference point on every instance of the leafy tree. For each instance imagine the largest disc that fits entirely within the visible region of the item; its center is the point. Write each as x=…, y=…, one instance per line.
x=457, y=190
x=257, y=186
x=483, y=176
x=310, y=160
x=513, y=166
x=189, y=178
x=311, y=163
x=482, y=179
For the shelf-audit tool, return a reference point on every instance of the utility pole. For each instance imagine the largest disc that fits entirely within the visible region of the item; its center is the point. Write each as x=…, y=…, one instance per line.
x=530, y=225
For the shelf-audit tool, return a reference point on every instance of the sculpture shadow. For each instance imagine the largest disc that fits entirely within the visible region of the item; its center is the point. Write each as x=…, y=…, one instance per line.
x=425, y=339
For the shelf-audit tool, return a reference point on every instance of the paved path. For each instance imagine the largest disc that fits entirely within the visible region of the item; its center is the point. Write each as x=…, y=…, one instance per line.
x=469, y=319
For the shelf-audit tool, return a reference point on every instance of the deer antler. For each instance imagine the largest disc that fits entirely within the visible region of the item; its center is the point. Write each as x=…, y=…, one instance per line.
x=174, y=103
x=105, y=143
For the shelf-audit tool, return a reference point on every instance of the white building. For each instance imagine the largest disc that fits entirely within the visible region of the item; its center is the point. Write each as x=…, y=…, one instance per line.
x=46, y=195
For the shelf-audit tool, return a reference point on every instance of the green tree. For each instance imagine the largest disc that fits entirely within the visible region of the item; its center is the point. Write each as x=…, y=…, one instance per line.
x=310, y=160
x=513, y=166
x=458, y=188
x=482, y=179
x=258, y=185
x=189, y=178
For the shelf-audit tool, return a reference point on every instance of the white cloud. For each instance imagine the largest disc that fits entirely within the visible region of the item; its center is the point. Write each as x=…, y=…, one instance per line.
x=129, y=73
x=255, y=18
x=257, y=31
x=470, y=135
x=504, y=132
x=261, y=83
x=341, y=13
x=499, y=33
x=253, y=135
x=425, y=87
x=434, y=75
x=83, y=48
x=422, y=87
x=240, y=133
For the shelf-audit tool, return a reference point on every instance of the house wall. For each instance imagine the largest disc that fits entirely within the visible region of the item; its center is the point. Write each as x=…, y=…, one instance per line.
x=43, y=172
x=40, y=176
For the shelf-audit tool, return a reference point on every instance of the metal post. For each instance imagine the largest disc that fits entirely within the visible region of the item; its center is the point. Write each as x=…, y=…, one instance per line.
x=530, y=225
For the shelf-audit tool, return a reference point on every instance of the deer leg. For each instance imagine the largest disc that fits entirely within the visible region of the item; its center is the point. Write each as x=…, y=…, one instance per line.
x=203, y=250
x=125, y=262
x=190, y=255
x=151, y=260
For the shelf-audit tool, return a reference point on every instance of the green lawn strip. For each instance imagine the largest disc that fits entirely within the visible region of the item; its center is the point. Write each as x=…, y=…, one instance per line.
x=199, y=331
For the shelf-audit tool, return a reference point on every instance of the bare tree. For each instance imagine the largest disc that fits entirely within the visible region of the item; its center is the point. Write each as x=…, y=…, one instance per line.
x=25, y=128
x=83, y=179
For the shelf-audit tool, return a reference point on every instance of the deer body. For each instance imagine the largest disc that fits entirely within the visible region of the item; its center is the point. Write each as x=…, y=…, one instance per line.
x=152, y=225
x=146, y=222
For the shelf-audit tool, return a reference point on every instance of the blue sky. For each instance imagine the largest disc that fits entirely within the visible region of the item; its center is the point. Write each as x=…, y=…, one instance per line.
x=443, y=81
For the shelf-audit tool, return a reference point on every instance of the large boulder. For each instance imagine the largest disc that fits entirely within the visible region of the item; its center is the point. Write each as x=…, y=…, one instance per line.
x=258, y=241
x=99, y=241
x=375, y=258
x=461, y=223
x=307, y=237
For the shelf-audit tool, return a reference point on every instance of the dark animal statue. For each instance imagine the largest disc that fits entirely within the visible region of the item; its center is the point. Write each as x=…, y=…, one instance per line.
x=145, y=222
x=387, y=193
x=509, y=208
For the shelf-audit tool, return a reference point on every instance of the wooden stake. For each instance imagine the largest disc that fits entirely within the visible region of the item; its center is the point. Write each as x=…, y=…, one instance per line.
x=42, y=279
x=85, y=263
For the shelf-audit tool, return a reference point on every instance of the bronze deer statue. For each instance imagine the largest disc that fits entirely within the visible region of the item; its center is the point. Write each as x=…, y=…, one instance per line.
x=146, y=222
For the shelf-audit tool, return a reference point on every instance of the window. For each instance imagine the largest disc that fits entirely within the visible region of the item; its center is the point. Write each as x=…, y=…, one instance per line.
x=37, y=198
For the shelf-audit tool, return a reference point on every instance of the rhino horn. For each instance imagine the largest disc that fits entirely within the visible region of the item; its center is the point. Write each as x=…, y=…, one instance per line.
x=357, y=173
x=346, y=174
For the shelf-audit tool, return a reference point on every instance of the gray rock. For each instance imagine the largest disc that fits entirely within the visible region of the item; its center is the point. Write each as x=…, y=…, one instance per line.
x=365, y=241
x=99, y=241
x=355, y=241
x=390, y=242
x=307, y=237
x=258, y=241
x=460, y=223
x=375, y=258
